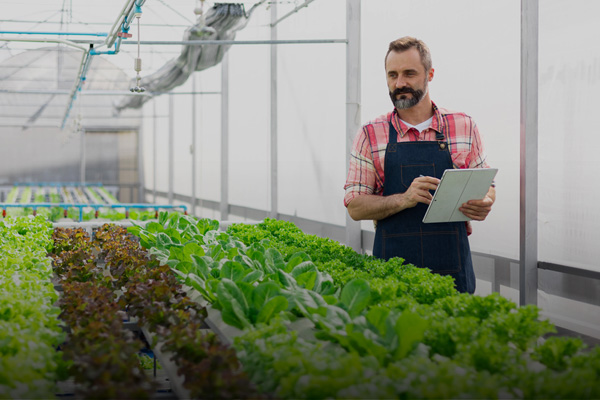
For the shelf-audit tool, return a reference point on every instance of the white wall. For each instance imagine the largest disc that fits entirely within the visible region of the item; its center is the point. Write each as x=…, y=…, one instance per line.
x=312, y=96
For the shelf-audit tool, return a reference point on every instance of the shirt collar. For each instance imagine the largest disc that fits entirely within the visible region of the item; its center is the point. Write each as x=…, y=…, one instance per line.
x=436, y=122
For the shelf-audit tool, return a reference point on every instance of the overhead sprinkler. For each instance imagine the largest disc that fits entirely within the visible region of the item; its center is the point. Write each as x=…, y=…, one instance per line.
x=138, y=61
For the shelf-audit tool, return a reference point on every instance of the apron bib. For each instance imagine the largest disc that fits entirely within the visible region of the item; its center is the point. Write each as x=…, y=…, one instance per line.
x=441, y=247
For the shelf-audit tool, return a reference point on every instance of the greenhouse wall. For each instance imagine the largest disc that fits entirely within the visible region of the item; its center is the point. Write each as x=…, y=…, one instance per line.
x=311, y=107
x=476, y=48
x=36, y=158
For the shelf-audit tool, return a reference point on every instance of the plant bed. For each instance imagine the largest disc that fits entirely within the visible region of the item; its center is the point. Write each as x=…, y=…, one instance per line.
x=150, y=294
x=370, y=328
x=30, y=329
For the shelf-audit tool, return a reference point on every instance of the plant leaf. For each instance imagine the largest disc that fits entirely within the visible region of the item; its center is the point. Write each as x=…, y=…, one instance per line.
x=410, y=329
x=377, y=316
x=263, y=293
x=233, y=270
x=253, y=276
x=301, y=268
x=356, y=296
x=271, y=308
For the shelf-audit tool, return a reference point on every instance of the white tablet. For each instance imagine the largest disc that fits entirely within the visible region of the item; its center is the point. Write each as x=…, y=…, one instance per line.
x=458, y=186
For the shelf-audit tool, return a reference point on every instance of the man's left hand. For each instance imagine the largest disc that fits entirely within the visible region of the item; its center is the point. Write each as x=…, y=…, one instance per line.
x=478, y=210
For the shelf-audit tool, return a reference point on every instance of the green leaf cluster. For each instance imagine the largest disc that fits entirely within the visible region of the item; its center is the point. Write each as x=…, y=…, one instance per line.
x=416, y=335
x=29, y=327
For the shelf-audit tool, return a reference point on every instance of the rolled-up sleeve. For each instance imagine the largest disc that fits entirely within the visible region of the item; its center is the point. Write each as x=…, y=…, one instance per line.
x=477, y=156
x=362, y=176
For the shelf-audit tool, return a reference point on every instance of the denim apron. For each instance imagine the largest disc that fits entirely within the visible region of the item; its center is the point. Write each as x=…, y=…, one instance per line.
x=441, y=247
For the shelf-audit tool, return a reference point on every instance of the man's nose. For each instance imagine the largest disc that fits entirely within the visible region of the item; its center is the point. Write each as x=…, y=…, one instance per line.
x=400, y=82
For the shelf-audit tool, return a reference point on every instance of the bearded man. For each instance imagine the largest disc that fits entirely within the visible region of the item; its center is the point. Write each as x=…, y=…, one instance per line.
x=397, y=161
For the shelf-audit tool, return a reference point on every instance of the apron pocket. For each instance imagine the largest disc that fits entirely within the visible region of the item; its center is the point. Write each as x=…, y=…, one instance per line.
x=408, y=173
x=445, y=255
x=403, y=245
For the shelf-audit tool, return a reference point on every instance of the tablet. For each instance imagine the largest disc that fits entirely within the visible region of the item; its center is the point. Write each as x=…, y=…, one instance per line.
x=456, y=187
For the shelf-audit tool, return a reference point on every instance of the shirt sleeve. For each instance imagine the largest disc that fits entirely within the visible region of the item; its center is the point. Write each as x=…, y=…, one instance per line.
x=477, y=156
x=361, y=177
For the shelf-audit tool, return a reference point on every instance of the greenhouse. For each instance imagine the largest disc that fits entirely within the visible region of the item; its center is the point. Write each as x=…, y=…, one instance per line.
x=217, y=200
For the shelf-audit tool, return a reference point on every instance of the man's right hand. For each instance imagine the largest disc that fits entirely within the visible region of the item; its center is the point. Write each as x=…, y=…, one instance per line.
x=419, y=191
x=375, y=207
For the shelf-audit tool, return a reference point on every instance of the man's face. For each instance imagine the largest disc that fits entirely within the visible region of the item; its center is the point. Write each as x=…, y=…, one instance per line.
x=406, y=78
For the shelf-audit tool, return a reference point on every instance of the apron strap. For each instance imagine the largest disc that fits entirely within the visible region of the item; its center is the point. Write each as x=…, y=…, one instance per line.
x=393, y=133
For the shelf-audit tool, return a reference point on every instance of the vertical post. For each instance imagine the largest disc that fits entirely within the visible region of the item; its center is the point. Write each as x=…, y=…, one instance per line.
x=274, y=187
x=528, y=277
x=225, y=138
x=353, y=78
x=83, y=160
x=171, y=146
x=193, y=149
x=154, y=150
x=140, y=157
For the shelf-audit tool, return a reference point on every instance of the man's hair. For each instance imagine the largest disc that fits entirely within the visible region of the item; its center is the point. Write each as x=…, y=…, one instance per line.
x=408, y=42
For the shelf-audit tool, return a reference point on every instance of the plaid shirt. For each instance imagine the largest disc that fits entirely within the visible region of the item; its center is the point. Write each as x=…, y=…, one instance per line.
x=366, y=175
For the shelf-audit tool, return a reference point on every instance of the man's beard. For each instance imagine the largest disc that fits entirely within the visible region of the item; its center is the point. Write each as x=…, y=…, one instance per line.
x=404, y=102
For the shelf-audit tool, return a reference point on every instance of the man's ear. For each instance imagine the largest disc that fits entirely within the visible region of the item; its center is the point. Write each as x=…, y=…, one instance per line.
x=430, y=75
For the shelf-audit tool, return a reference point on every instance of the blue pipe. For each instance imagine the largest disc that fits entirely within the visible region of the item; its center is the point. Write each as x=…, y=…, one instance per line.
x=92, y=52
x=82, y=78
x=55, y=33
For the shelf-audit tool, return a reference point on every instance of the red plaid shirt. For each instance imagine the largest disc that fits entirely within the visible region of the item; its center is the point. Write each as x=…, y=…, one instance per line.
x=365, y=173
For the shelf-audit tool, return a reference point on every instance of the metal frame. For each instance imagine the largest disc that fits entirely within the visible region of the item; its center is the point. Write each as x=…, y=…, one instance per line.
x=141, y=198
x=528, y=251
x=225, y=137
x=82, y=159
x=215, y=42
x=193, y=149
x=171, y=147
x=274, y=186
x=154, y=150
x=353, y=80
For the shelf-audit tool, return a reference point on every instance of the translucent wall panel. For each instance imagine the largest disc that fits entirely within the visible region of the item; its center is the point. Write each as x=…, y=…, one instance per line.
x=568, y=150
x=147, y=153
x=182, y=140
x=475, y=47
x=312, y=96
x=162, y=143
x=208, y=135
x=39, y=154
x=249, y=117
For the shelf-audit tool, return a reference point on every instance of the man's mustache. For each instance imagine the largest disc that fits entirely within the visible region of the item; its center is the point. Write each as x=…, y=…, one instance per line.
x=404, y=90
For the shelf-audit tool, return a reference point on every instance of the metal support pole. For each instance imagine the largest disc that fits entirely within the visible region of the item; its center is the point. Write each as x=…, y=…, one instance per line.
x=193, y=149
x=353, y=78
x=140, y=156
x=83, y=158
x=274, y=187
x=171, y=145
x=528, y=276
x=224, y=208
x=154, y=151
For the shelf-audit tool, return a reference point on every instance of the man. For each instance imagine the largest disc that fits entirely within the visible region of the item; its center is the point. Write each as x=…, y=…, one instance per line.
x=397, y=161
